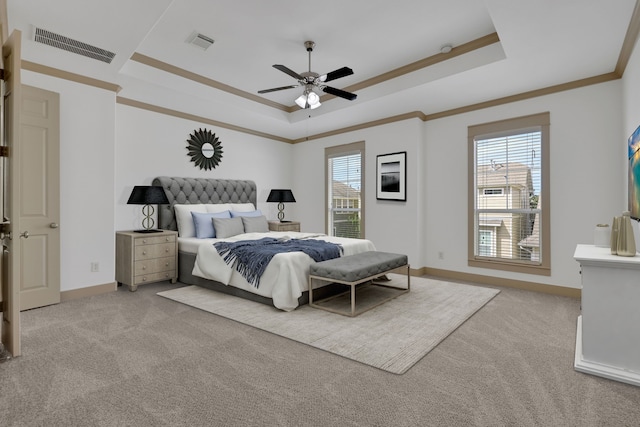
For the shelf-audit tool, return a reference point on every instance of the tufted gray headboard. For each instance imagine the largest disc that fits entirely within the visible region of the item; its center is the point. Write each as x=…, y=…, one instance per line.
x=201, y=190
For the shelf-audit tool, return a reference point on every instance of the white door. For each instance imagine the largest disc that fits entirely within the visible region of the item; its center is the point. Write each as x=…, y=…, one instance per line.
x=11, y=196
x=40, y=201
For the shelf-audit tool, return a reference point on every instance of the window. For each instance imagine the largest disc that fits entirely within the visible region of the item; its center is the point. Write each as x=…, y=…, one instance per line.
x=345, y=190
x=491, y=191
x=509, y=195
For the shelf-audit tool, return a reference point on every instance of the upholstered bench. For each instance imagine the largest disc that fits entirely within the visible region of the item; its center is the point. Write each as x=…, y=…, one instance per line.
x=353, y=270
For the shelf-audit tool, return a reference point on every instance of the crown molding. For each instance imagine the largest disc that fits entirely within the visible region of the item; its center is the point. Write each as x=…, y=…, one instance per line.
x=66, y=75
x=181, y=72
x=195, y=118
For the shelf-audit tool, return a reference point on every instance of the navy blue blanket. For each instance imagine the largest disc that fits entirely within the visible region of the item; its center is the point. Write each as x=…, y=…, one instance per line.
x=251, y=257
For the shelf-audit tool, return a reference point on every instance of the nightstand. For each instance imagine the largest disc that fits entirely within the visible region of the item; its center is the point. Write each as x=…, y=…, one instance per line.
x=146, y=257
x=284, y=226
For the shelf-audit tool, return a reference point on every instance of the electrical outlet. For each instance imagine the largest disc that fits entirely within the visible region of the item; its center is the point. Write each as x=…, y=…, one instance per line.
x=440, y=255
x=95, y=267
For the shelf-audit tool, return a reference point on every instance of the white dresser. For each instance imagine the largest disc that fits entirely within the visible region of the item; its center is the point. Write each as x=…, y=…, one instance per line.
x=608, y=334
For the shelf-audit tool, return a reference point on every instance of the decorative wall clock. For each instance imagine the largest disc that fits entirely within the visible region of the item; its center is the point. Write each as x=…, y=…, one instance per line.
x=205, y=149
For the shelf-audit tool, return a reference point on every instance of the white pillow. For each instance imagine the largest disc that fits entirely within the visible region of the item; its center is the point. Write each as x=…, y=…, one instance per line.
x=218, y=207
x=242, y=207
x=186, y=228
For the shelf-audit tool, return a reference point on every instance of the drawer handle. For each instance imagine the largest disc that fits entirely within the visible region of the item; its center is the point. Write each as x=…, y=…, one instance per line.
x=166, y=264
x=144, y=240
x=166, y=275
x=166, y=239
x=144, y=252
x=144, y=267
x=166, y=250
x=144, y=279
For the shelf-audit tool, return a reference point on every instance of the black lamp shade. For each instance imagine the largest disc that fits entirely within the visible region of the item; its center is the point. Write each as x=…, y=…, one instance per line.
x=281, y=196
x=148, y=195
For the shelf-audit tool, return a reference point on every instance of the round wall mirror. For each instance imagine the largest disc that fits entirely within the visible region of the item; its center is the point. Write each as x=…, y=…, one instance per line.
x=205, y=149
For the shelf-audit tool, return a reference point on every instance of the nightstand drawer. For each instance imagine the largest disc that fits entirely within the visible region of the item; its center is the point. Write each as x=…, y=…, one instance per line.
x=156, y=240
x=155, y=251
x=154, y=277
x=155, y=265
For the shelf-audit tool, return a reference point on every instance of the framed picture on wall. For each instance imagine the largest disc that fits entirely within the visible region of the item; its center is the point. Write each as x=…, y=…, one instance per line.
x=391, y=176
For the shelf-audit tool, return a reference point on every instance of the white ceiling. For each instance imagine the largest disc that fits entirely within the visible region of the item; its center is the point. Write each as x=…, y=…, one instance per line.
x=542, y=43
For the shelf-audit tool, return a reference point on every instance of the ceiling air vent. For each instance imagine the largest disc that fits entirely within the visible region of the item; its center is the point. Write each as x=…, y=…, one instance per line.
x=74, y=46
x=200, y=40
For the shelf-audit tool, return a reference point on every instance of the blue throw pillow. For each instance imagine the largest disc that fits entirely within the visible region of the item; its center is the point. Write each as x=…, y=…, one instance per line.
x=204, y=224
x=235, y=214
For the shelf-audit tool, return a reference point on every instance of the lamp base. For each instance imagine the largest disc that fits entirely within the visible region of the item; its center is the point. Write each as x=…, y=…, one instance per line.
x=282, y=220
x=147, y=231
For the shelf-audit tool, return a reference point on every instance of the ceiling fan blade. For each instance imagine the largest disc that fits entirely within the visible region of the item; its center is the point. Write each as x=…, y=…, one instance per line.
x=288, y=71
x=339, y=92
x=336, y=74
x=277, y=88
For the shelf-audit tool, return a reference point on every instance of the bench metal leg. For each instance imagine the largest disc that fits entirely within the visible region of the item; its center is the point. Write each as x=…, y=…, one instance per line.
x=353, y=300
x=352, y=292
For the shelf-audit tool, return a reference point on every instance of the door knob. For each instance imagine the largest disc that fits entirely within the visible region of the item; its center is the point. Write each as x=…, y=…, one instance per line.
x=25, y=234
x=54, y=225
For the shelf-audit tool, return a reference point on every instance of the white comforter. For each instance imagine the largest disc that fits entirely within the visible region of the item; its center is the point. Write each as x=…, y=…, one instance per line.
x=286, y=276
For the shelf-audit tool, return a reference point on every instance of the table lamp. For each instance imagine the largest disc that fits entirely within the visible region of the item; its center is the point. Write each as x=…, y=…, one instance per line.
x=148, y=195
x=281, y=197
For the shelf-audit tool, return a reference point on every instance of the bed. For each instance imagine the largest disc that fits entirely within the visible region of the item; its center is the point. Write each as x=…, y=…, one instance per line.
x=284, y=282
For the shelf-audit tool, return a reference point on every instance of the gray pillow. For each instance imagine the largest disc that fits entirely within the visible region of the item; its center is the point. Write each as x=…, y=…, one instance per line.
x=227, y=227
x=255, y=224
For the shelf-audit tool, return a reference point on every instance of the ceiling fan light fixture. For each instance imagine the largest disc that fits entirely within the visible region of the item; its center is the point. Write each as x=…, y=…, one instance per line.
x=301, y=100
x=313, y=98
x=309, y=99
x=311, y=80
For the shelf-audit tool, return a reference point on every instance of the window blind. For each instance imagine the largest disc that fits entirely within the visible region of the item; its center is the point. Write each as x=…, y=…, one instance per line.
x=344, y=194
x=507, y=178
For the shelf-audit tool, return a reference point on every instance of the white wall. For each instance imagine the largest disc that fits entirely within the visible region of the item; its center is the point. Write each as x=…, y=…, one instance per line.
x=586, y=177
x=585, y=180
x=393, y=226
x=87, y=126
x=150, y=144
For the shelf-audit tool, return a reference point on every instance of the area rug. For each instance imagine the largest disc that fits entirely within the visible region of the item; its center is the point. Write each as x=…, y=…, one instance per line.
x=392, y=336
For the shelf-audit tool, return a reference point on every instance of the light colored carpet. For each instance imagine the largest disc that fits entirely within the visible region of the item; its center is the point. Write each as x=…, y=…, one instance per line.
x=391, y=337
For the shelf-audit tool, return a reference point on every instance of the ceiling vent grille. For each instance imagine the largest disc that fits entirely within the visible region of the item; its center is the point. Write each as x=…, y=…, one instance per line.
x=200, y=40
x=74, y=46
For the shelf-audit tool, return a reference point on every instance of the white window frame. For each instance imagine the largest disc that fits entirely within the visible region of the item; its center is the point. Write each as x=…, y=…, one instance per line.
x=504, y=127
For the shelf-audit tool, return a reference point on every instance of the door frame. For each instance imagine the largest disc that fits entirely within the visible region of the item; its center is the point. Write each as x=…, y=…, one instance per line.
x=12, y=97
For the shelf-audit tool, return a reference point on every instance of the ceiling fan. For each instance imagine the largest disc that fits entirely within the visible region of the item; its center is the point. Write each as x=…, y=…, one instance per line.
x=310, y=80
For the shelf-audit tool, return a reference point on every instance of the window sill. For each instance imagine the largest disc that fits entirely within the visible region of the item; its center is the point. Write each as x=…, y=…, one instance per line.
x=514, y=266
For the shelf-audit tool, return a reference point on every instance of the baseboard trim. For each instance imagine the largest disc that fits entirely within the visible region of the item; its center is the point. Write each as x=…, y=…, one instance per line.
x=499, y=281
x=88, y=291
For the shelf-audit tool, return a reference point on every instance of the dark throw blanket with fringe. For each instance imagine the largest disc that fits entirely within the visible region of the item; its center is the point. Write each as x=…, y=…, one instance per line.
x=251, y=257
